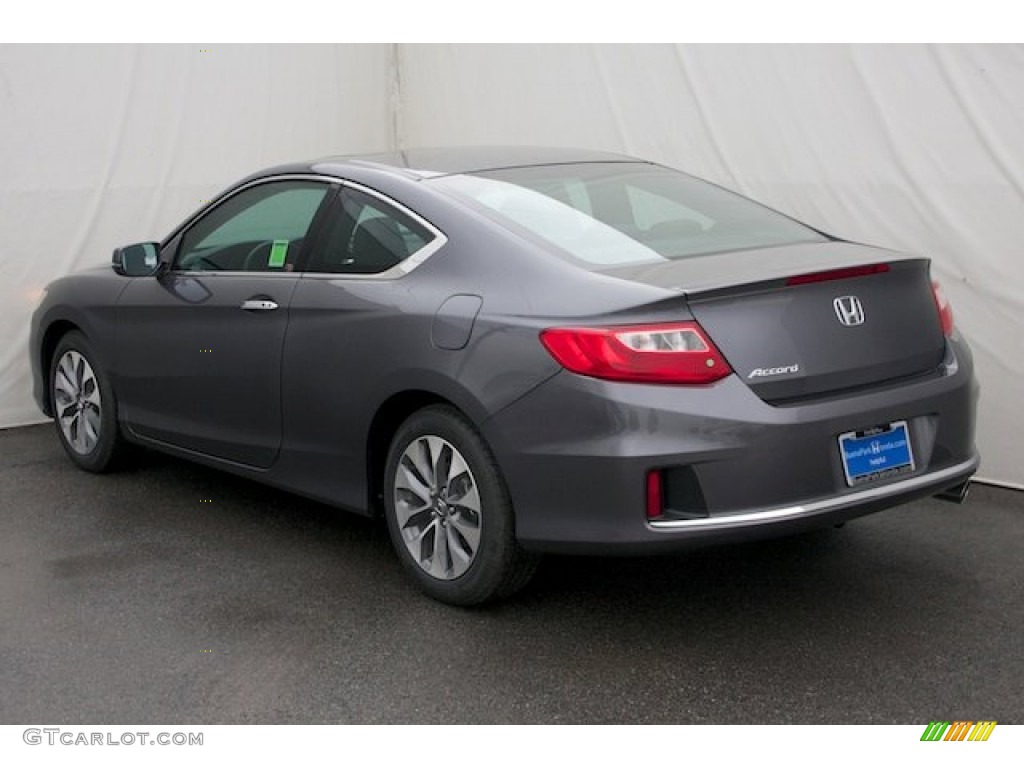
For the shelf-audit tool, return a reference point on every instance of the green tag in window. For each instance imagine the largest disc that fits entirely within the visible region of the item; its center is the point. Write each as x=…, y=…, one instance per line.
x=278, y=253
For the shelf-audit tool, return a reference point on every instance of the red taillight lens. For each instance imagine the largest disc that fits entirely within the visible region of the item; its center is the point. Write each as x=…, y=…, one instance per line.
x=838, y=274
x=673, y=353
x=944, y=307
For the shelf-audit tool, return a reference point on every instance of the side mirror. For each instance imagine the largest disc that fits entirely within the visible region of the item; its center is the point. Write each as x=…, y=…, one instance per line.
x=139, y=260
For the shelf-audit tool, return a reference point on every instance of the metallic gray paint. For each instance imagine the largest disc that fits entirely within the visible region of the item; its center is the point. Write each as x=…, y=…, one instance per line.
x=578, y=480
x=290, y=396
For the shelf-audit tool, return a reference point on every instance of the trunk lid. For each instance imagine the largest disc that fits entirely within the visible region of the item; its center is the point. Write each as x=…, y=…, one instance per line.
x=839, y=329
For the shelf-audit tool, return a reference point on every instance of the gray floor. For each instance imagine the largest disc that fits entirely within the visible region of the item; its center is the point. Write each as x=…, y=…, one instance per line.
x=131, y=599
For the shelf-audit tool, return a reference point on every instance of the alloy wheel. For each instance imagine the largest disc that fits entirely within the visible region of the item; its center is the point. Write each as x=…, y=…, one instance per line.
x=76, y=397
x=437, y=506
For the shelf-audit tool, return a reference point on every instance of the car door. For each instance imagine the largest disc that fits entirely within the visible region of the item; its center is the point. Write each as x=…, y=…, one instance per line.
x=199, y=347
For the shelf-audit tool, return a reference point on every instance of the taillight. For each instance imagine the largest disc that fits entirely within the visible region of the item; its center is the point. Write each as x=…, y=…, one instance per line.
x=671, y=353
x=844, y=273
x=944, y=307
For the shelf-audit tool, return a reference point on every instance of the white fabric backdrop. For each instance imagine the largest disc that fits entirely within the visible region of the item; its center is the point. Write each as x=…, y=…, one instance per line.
x=104, y=145
x=919, y=148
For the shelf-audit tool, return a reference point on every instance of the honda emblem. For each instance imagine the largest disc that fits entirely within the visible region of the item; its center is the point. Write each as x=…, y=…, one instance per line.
x=849, y=310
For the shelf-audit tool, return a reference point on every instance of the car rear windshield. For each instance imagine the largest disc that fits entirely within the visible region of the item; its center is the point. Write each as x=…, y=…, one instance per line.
x=612, y=214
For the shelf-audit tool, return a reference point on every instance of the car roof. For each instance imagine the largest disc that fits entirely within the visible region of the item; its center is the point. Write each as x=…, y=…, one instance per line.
x=442, y=161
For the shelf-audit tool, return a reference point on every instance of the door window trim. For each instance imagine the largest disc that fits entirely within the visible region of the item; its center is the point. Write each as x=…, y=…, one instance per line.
x=335, y=184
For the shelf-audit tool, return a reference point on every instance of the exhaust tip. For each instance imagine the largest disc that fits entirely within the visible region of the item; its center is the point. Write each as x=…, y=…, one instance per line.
x=956, y=494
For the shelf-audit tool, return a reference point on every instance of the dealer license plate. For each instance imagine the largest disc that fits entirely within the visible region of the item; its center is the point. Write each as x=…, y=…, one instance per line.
x=877, y=453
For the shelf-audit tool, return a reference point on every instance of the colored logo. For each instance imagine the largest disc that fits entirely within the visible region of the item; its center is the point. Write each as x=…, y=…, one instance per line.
x=960, y=730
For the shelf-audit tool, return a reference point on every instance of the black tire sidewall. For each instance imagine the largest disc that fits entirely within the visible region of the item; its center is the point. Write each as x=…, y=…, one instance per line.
x=496, y=554
x=103, y=454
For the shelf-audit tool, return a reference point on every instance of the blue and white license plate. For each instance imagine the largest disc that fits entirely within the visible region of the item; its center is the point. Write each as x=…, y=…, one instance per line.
x=877, y=453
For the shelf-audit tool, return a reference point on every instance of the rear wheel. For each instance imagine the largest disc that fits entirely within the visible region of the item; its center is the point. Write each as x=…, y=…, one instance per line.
x=85, y=411
x=449, y=513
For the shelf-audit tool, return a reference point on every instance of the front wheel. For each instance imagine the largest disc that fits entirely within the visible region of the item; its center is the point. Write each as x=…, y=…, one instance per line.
x=449, y=513
x=85, y=411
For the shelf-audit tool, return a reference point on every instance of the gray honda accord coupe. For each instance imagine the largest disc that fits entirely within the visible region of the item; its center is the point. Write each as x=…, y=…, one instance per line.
x=506, y=351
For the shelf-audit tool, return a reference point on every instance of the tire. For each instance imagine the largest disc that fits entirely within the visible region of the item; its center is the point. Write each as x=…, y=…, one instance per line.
x=449, y=512
x=84, y=406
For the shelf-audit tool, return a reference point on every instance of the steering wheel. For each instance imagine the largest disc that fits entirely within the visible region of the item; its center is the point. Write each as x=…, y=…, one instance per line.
x=250, y=263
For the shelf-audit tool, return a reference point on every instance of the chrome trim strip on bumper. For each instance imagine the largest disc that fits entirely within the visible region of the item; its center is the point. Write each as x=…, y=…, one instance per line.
x=827, y=505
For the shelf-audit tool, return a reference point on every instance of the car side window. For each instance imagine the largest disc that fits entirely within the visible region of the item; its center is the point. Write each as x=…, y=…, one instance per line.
x=260, y=229
x=363, y=235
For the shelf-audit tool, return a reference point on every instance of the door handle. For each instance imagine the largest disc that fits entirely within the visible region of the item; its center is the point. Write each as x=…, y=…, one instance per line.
x=262, y=304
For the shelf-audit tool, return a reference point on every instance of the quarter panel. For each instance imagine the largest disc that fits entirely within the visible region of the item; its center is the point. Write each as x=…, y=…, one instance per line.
x=353, y=344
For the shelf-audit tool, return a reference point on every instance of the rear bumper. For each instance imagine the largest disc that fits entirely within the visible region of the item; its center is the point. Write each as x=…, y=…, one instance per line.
x=576, y=452
x=839, y=507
